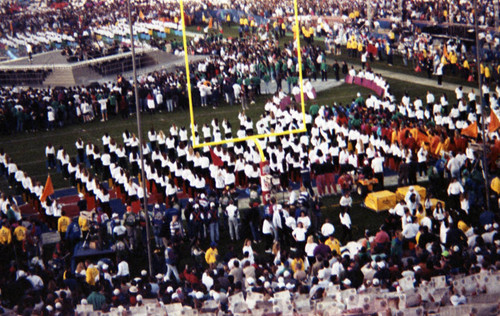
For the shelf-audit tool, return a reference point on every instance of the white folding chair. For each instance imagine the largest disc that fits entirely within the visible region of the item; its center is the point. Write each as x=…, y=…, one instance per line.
x=439, y=281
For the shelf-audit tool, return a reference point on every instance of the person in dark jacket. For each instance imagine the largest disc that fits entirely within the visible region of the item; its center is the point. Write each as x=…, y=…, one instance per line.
x=345, y=69
x=336, y=70
x=73, y=233
x=455, y=236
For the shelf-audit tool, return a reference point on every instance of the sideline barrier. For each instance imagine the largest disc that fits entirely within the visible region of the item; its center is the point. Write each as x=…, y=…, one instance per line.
x=369, y=84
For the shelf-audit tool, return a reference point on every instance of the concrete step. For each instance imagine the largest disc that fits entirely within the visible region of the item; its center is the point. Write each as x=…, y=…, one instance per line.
x=85, y=75
x=60, y=77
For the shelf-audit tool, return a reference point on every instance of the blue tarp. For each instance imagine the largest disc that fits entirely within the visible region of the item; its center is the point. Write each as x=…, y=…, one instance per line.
x=65, y=192
x=384, y=24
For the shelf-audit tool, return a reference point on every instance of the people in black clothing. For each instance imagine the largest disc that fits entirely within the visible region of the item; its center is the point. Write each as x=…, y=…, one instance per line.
x=336, y=70
x=345, y=69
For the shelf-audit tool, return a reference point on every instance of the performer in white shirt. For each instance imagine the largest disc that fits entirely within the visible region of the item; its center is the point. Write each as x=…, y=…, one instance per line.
x=327, y=229
x=345, y=220
x=455, y=188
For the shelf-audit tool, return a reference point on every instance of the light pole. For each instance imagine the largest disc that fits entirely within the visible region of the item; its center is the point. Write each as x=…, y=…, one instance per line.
x=496, y=12
x=369, y=14
x=139, y=135
x=483, y=113
x=449, y=14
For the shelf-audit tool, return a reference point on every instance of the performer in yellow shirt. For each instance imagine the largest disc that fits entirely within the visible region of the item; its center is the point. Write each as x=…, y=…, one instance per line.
x=91, y=274
x=354, y=48
x=5, y=235
x=465, y=68
x=62, y=224
x=83, y=222
x=211, y=254
x=333, y=243
x=487, y=74
x=20, y=233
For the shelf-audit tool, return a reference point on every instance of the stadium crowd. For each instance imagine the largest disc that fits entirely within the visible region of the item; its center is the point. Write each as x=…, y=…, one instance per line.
x=80, y=19
x=236, y=72
x=300, y=252
x=235, y=67
x=288, y=245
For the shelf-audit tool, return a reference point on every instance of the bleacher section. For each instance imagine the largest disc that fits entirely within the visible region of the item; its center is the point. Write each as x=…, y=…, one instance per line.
x=54, y=69
x=121, y=65
x=24, y=77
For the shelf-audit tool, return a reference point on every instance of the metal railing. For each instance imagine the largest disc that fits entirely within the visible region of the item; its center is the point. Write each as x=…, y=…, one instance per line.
x=30, y=77
x=86, y=63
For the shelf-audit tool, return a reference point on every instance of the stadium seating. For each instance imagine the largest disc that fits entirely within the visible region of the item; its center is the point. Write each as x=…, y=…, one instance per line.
x=430, y=299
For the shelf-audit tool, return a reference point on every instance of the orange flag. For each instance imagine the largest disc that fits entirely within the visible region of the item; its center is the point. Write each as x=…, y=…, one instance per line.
x=494, y=122
x=210, y=23
x=141, y=15
x=47, y=190
x=471, y=130
x=421, y=137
